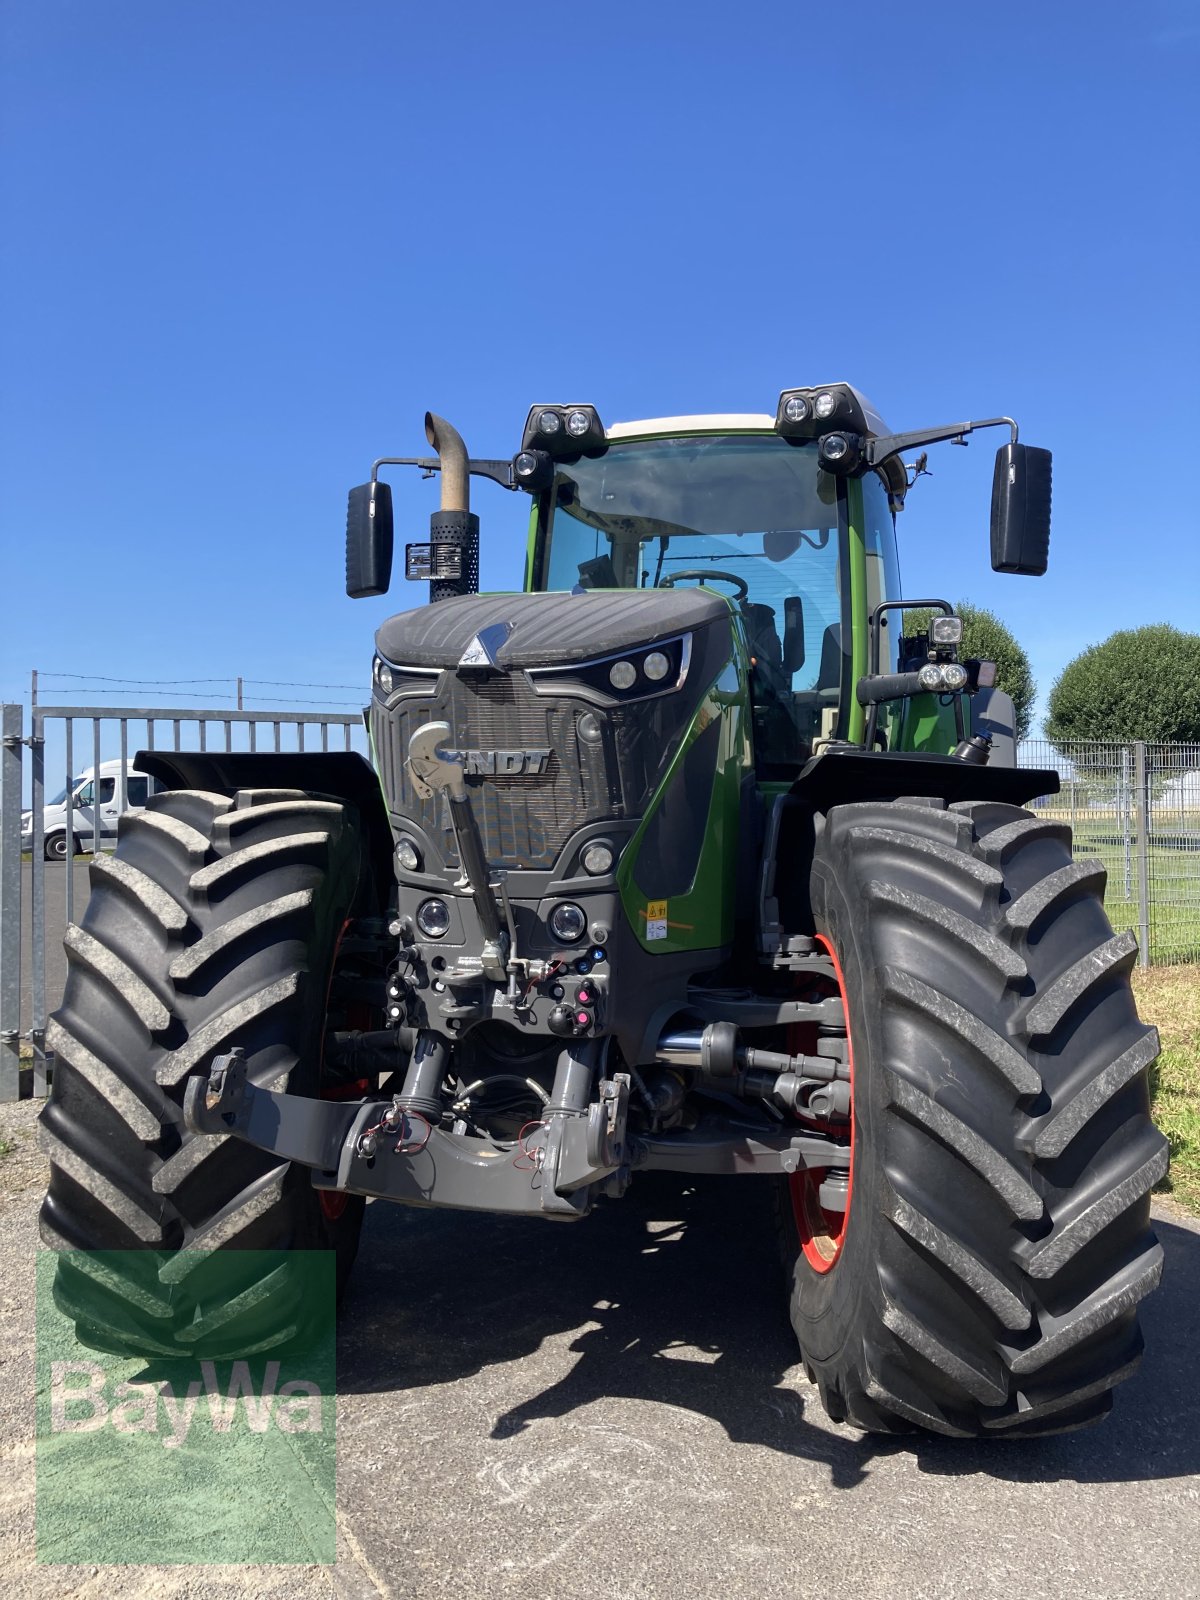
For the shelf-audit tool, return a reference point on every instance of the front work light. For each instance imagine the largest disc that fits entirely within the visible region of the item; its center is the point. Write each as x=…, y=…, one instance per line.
x=533, y=470
x=946, y=630
x=841, y=453
x=565, y=431
x=830, y=408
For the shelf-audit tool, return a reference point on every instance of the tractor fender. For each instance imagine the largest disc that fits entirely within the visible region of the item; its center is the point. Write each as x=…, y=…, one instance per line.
x=844, y=773
x=341, y=774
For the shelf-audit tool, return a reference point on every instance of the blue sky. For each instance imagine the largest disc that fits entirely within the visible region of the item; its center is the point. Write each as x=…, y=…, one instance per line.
x=246, y=245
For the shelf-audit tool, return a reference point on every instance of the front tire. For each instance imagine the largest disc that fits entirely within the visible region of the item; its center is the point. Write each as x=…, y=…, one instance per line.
x=998, y=1239
x=215, y=923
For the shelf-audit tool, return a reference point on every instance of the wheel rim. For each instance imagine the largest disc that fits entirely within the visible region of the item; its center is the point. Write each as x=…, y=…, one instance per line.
x=822, y=1232
x=333, y=1203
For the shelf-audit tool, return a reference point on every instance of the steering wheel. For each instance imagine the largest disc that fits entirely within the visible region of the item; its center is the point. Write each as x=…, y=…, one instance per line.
x=706, y=575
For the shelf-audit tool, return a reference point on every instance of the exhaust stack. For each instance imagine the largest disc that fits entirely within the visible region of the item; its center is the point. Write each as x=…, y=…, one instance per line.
x=453, y=531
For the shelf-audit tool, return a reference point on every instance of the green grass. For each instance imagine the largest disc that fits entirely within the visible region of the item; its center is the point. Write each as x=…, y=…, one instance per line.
x=1169, y=997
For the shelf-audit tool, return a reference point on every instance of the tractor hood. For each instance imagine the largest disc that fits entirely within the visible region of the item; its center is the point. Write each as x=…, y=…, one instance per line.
x=544, y=629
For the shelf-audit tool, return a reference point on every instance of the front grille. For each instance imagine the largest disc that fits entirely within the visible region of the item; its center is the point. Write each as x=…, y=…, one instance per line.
x=526, y=819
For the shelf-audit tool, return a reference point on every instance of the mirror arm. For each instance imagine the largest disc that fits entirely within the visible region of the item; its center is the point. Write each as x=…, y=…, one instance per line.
x=880, y=450
x=498, y=471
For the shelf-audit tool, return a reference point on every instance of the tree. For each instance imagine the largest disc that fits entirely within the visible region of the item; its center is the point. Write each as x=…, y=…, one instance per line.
x=1141, y=683
x=986, y=637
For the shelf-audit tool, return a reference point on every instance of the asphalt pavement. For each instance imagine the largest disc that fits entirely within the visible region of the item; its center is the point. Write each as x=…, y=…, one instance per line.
x=613, y=1408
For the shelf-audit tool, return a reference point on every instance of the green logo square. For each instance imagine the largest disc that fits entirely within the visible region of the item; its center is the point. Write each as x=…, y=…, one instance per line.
x=216, y=1443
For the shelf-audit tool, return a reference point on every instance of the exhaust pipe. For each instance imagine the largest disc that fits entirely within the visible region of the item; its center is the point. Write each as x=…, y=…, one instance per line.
x=453, y=531
x=452, y=452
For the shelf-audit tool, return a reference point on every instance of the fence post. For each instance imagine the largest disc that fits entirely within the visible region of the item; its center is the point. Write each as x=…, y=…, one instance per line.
x=1126, y=809
x=1143, y=850
x=37, y=900
x=10, y=903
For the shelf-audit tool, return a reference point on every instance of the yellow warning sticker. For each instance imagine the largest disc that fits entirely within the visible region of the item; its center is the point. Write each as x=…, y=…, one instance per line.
x=656, y=919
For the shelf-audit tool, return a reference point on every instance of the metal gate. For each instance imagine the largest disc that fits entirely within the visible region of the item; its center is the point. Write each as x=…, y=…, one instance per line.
x=69, y=746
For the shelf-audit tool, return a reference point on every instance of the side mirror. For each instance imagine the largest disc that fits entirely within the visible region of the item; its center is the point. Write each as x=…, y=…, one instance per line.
x=1021, y=510
x=793, y=634
x=369, y=540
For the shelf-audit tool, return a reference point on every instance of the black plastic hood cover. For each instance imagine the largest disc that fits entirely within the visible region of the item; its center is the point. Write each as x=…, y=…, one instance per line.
x=546, y=629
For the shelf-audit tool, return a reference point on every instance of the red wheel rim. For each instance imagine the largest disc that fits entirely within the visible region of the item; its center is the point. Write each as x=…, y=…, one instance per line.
x=823, y=1233
x=333, y=1203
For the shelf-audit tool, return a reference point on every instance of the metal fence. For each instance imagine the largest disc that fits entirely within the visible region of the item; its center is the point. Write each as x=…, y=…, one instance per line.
x=1137, y=807
x=40, y=897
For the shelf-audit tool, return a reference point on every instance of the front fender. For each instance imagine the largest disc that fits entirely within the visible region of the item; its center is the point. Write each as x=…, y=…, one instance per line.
x=842, y=774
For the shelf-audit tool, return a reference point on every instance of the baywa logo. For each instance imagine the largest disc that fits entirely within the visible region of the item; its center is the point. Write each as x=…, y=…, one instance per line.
x=84, y=1397
x=174, y=1455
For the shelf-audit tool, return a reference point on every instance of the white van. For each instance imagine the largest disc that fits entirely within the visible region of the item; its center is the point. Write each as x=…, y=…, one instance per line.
x=104, y=791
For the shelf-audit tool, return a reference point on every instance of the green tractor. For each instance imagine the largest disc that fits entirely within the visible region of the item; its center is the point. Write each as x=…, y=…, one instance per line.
x=687, y=857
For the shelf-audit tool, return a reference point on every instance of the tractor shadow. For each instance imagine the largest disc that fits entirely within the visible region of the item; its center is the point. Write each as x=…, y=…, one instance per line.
x=675, y=1295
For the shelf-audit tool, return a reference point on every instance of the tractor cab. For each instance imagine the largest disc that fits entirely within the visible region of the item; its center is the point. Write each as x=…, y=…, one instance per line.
x=727, y=503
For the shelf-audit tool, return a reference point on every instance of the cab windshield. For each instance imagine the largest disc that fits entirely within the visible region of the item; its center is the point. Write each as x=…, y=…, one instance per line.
x=751, y=515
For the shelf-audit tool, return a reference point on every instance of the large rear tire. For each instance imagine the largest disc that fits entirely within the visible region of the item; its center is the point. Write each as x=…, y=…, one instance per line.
x=997, y=1240
x=215, y=923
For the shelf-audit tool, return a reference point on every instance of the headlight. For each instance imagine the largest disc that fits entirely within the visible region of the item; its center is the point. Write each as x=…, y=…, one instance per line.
x=795, y=408
x=433, y=918
x=407, y=854
x=598, y=857
x=954, y=675
x=578, y=423
x=823, y=405
x=549, y=422
x=655, y=668
x=386, y=682
x=568, y=923
x=930, y=676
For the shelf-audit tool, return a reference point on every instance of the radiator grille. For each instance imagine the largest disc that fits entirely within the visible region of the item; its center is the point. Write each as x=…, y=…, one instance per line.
x=527, y=819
